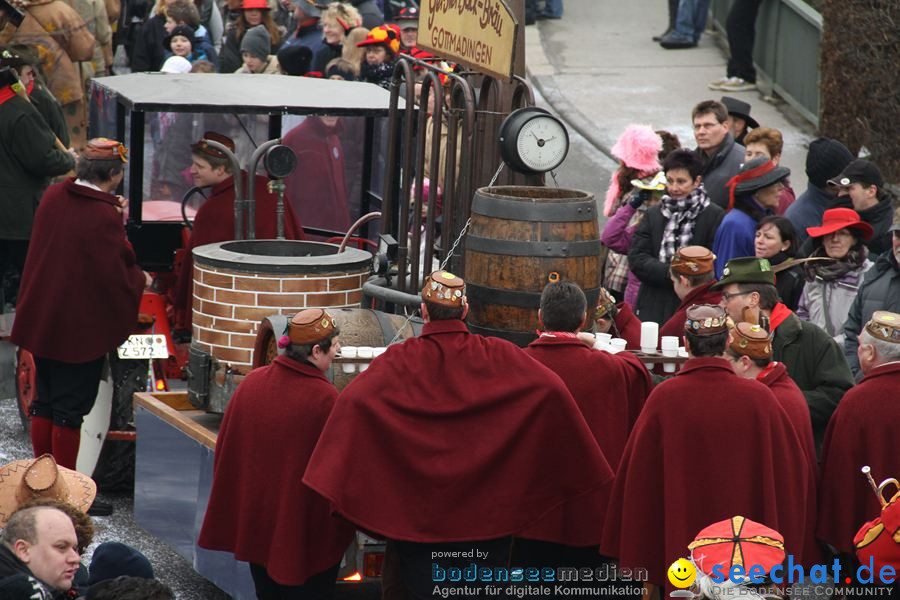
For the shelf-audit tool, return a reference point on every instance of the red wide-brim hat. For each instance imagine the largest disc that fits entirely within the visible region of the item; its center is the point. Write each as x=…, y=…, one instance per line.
x=737, y=541
x=836, y=219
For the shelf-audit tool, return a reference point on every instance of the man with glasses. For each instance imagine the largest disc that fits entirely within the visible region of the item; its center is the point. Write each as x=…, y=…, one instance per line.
x=722, y=155
x=813, y=360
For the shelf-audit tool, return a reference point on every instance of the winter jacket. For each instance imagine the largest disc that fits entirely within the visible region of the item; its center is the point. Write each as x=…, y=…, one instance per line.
x=880, y=217
x=325, y=54
x=617, y=235
x=307, y=35
x=61, y=39
x=656, y=299
x=807, y=211
x=814, y=362
x=723, y=166
x=789, y=282
x=230, y=57
x=880, y=290
x=272, y=67
x=148, y=52
x=371, y=14
x=28, y=158
x=827, y=303
x=735, y=237
x=94, y=14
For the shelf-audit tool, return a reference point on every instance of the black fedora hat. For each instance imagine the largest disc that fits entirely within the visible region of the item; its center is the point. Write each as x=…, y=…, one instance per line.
x=739, y=108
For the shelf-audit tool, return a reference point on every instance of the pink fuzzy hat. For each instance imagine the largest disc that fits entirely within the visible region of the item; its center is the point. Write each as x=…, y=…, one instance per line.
x=638, y=148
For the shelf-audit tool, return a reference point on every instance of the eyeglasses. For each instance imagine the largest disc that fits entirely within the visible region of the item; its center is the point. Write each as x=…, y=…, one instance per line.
x=727, y=297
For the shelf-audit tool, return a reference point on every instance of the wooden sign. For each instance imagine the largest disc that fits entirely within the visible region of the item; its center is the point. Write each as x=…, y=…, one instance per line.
x=480, y=34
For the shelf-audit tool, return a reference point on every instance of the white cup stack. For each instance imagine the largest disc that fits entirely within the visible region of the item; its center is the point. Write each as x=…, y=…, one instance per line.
x=669, y=346
x=601, y=341
x=616, y=345
x=348, y=352
x=365, y=352
x=378, y=352
x=649, y=339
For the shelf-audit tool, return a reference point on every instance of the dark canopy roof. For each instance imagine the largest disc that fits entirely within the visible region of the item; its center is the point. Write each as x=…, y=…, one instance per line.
x=245, y=93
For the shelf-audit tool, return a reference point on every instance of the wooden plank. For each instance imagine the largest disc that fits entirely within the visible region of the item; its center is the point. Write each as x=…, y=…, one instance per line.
x=196, y=424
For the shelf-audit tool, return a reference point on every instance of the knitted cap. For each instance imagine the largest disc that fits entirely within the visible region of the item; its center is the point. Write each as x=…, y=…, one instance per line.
x=826, y=159
x=257, y=42
x=114, y=559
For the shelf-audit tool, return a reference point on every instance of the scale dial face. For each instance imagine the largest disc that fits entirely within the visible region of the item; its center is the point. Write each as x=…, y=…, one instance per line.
x=542, y=143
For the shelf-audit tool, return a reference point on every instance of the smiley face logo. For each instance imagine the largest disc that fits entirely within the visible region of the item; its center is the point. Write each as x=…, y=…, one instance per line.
x=682, y=573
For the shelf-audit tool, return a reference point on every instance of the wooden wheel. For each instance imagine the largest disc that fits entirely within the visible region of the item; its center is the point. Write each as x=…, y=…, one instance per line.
x=265, y=349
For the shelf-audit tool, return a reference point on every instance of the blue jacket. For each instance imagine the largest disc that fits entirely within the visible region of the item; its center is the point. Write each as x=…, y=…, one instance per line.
x=734, y=239
x=807, y=210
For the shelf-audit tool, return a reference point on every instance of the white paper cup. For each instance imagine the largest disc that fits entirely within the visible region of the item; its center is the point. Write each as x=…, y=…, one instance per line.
x=378, y=352
x=348, y=352
x=669, y=342
x=682, y=352
x=649, y=337
x=365, y=352
x=604, y=337
x=617, y=345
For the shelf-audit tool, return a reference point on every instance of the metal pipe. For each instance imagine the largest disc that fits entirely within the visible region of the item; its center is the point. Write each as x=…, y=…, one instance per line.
x=251, y=185
x=238, y=187
x=372, y=289
x=360, y=221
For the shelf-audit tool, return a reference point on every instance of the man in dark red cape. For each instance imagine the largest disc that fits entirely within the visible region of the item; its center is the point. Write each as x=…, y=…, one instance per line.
x=707, y=445
x=79, y=298
x=215, y=219
x=692, y=273
x=259, y=509
x=862, y=432
x=316, y=189
x=750, y=354
x=453, y=437
x=610, y=390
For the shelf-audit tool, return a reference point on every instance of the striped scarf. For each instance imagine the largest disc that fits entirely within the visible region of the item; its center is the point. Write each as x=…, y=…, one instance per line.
x=680, y=214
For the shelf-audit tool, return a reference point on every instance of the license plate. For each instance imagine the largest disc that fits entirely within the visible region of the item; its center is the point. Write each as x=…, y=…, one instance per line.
x=144, y=347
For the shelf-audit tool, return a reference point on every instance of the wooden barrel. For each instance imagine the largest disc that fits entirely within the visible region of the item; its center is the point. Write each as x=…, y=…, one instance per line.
x=517, y=238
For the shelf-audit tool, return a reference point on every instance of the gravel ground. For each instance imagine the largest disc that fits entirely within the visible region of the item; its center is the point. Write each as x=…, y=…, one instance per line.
x=168, y=566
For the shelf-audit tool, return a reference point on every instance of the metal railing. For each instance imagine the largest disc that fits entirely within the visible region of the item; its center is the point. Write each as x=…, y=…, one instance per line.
x=786, y=54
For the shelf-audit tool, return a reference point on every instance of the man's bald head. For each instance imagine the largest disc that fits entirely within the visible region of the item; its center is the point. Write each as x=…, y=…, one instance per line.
x=43, y=538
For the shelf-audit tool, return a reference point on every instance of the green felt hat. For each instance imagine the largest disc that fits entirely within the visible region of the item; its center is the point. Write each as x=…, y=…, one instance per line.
x=746, y=270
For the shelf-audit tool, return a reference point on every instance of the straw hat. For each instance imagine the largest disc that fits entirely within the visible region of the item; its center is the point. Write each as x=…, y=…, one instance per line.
x=23, y=480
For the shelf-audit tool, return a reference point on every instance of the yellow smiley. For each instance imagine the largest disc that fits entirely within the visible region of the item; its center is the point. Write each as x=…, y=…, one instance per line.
x=682, y=573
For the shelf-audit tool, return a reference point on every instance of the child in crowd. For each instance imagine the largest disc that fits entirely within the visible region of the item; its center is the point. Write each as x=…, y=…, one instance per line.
x=256, y=48
x=180, y=42
x=185, y=12
x=382, y=45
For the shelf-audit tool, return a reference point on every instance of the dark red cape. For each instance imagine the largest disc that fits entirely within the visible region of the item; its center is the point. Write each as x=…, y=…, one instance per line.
x=700, y=295
x=215, y=223
x=258, y=508
x=629, y=326
x=317, y=189
x=452, y=436
x=610, y=390
x=862, y=431
x=792, y=400
x=81, y=286
x=707, y=446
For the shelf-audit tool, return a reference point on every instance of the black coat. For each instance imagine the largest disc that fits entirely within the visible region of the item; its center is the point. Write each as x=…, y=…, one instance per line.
x=148, y=50
x=657, y=300
x=28, y=158
x=230, y=59
x=50, y=109
x=325, y=55
x=789, y=282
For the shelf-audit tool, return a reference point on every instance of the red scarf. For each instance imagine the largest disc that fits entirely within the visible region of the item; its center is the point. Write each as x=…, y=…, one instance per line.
x=6, y=93
x=746, y=176
x=765, y=372
x=30, y=87
x=779, y=314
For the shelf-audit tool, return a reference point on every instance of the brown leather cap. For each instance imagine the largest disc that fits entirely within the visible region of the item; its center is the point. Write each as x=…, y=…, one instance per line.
x=444, y=288
x=693, y=260
x=310, y=326
x=751, y=340
x=884, y=326
x=705, y=319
